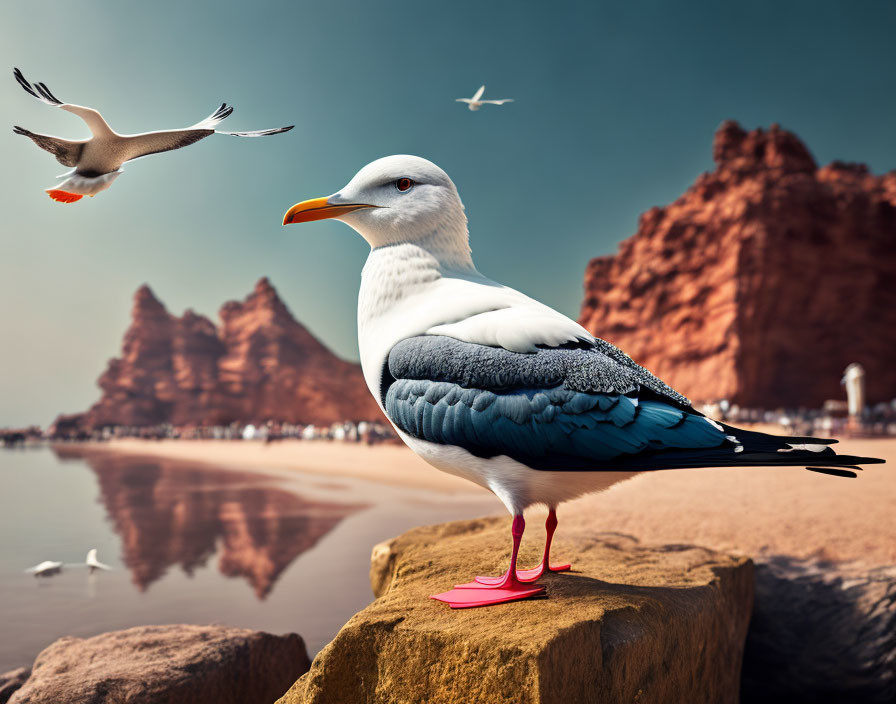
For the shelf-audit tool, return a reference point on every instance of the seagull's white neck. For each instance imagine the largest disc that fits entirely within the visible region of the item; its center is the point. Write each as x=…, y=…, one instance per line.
x=394, y=284
x=448, y=247
x=441, y=234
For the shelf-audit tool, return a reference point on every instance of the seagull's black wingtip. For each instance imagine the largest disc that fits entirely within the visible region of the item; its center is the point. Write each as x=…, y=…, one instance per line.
x=834, y=472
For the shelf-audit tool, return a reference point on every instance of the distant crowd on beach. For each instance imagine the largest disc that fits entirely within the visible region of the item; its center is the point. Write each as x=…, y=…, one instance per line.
x=832, y=420
x=367, y=432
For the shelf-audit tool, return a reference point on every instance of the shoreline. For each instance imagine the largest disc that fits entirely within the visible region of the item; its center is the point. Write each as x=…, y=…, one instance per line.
x=395, y=465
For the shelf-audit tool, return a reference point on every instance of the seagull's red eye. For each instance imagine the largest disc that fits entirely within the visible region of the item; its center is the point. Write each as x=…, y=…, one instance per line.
x=404, y=184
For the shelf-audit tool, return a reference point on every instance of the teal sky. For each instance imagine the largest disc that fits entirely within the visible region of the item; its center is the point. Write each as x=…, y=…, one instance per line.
x=616, y=104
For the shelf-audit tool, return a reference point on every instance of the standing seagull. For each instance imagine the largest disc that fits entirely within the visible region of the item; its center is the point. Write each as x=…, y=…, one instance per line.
x=98, y=160
x=486, y=383
x=477, y=102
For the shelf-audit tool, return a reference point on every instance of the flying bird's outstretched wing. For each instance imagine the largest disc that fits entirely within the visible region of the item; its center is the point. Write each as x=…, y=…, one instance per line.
x=478, y=94
x=463, y=100
x=65, y=151
x=497, y=102
x=166, y=140
x=258, y=133
x=98, y=126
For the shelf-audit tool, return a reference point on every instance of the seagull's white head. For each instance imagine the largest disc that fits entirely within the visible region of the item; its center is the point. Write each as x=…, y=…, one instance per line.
x=397, y=200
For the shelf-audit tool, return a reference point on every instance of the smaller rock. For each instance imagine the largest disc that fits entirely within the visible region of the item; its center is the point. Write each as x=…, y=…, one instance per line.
x=11, y=681
x=177, y=664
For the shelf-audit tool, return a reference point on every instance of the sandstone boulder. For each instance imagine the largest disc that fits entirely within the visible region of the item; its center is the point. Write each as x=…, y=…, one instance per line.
x=628, y=624
x=177, y=664
x=11, y=681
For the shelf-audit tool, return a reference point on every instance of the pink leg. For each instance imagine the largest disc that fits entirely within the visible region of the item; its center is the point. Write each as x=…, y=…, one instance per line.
x=531, y=575
x=509, y=588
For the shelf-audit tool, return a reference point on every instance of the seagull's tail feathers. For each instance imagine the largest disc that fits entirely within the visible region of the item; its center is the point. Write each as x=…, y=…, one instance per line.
x=77, y=185
x=748, y=448
x=257, y=133
x=218, y=116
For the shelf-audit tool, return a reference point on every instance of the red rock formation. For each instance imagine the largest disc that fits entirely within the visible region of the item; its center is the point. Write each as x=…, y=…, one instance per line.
x=760, y=283
x=276, y=369
x=261, y=365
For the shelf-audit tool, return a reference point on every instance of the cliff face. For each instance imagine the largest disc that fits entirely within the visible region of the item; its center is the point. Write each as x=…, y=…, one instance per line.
x=762, y=282
x=260, y=365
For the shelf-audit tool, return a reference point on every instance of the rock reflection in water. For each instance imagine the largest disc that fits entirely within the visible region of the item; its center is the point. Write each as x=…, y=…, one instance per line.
x=170, y=513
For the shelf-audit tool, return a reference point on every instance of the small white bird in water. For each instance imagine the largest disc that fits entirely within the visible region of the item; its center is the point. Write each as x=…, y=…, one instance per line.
x=98, y=160
x=477, y=101
x=93, y=563
x=486, y=383
x=47, y=568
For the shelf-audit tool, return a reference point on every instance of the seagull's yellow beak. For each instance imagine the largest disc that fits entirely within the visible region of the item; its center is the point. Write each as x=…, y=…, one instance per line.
x=319, y=209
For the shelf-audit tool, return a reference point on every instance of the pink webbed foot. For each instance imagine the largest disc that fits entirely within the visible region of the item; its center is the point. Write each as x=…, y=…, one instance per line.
x=507, y=588
x=469, y=595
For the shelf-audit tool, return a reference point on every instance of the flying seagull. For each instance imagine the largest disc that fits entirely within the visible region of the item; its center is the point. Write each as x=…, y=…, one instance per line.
x=97, y=161
x=477, y=102
x=486, y=383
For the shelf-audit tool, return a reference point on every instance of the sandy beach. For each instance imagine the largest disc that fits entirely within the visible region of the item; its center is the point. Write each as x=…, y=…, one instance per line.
x=389, y=464
x=750, y=510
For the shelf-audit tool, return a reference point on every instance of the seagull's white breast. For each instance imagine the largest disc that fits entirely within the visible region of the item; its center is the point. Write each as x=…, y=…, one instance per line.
x=406, y=292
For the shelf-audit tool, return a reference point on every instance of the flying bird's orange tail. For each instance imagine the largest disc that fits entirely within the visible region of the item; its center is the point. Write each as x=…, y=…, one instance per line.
x=63, y=196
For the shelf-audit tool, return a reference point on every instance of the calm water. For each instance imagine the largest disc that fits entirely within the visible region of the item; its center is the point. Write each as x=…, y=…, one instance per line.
x=191, y=544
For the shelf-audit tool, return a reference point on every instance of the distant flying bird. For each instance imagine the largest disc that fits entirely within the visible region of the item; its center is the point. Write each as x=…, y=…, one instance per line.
x=47, y=568
x=94, y=564
x=486, y=383
x=477, y=102
x=98, y=160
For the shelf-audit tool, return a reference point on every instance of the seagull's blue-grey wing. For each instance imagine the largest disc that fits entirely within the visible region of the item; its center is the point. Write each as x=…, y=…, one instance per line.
x=576, y=407
x=566, y=408
x=591, y=367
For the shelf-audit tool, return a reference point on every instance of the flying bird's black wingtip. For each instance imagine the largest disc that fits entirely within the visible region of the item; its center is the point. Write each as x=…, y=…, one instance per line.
x=24, y=82
x=39, y=90
x=222, y=112
x=42, y=87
